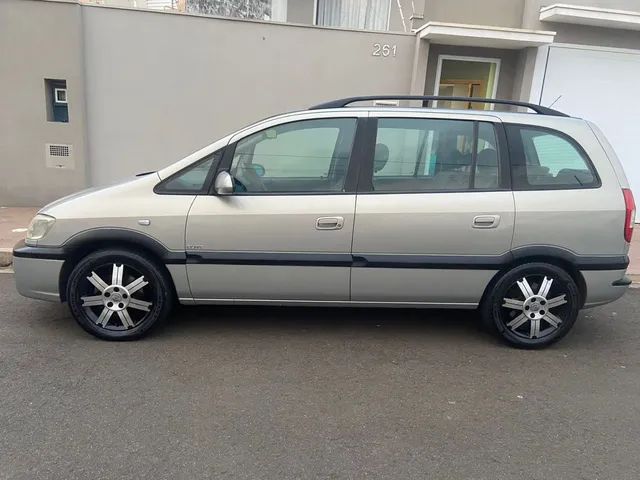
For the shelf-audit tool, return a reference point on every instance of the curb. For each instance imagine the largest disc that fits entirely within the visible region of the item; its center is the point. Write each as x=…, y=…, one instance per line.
x=6, y=257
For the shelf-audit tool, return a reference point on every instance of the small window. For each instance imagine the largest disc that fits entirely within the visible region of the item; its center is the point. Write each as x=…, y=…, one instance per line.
x=548, y=160
x=416, y=155
x=193, y=179
x=57, y=107
x=305, y=156
x=353, y=14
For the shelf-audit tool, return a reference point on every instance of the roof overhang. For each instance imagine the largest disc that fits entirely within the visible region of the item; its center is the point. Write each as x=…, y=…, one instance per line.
x=483, y=35
x=595, y=17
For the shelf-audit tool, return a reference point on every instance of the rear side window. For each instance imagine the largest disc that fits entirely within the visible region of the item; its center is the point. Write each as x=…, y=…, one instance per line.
x=422, y=155
x=543, y=158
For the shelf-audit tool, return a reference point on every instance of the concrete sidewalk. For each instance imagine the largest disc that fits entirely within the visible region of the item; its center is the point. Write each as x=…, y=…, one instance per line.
x=14, y=222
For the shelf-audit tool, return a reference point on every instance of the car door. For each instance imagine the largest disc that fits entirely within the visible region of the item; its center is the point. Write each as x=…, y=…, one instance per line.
x=285, y=232
x=435, y=213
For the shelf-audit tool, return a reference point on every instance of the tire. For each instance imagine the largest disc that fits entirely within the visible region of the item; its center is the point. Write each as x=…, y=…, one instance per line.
x=115, y=294
x=532, y=306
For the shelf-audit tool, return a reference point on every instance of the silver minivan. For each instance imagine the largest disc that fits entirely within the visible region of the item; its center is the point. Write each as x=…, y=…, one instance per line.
x=524, y=216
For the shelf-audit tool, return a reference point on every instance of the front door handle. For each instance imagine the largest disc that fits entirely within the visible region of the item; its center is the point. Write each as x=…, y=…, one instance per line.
x=486, y=221
x=329, y=223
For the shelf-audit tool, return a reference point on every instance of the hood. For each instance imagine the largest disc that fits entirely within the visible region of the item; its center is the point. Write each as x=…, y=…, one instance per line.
x=98, y=191
x=62, y=200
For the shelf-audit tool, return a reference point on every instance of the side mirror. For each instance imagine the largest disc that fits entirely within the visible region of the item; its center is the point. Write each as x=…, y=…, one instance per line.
x=224, y=184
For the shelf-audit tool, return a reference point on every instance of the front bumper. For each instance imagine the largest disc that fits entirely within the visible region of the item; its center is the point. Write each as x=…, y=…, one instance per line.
x=37, y=271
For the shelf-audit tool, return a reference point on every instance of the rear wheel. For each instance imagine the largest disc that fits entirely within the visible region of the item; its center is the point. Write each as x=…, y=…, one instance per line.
x=533, y=305
x=118, y=295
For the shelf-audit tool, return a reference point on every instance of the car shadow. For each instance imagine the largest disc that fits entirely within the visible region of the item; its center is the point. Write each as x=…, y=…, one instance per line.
x=596, y=329
x=210, y=320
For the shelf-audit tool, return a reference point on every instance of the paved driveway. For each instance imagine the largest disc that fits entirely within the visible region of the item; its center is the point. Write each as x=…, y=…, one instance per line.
x=316, y=393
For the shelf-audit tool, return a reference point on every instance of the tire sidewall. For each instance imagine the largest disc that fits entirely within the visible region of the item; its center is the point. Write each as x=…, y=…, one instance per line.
x=162, y=297
x=493, y=308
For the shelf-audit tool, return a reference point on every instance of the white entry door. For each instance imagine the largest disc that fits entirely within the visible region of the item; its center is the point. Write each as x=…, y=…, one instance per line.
x=600, y=85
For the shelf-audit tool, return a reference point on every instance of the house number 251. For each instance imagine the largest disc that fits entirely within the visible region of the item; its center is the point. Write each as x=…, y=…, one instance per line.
x=384, y=50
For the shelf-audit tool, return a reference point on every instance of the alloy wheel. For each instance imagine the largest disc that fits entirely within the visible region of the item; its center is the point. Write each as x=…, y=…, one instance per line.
x=534, y=307
x=116, y=296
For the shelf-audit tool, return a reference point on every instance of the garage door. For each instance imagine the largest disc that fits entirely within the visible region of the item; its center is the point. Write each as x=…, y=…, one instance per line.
x=602, y=86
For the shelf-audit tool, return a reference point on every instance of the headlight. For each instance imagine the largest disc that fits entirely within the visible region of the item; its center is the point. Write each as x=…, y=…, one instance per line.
x=40, y=226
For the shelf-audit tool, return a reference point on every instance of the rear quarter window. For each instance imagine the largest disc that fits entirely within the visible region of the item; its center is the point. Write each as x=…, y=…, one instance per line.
x=542, y=158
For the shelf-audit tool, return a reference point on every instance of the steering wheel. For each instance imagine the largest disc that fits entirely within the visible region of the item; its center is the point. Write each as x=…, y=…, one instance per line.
x=250, y=182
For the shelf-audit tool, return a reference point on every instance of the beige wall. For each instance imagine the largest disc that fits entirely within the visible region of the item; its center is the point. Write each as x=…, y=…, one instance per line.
x=163, y=85
x=300, y=11
x=525, y=71
x=502, y=13
x=39, y=40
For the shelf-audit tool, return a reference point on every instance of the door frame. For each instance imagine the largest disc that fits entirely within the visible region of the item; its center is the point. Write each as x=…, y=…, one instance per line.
x=355, y=160
x=497, y=61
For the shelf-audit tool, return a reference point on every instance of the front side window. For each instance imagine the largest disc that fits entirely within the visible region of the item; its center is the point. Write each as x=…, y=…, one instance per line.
x=547, y=160
x=301, y=157
x=414, y=155
x=369, y=15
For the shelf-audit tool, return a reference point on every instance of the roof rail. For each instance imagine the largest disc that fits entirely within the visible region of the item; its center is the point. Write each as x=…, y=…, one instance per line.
x=343, y=102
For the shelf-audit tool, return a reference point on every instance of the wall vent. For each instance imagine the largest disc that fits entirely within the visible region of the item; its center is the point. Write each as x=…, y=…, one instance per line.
x=59, y=150
x=59, y=156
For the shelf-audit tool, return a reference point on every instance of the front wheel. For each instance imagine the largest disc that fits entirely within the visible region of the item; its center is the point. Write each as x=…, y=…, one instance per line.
x=533, y=305
x=118, y=295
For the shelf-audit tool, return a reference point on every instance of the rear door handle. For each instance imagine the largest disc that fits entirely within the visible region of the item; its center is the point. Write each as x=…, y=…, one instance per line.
x=486, y=221
x=329, y=223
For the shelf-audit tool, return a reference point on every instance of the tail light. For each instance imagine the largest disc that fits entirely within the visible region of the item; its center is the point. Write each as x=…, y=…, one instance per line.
x=630, y=213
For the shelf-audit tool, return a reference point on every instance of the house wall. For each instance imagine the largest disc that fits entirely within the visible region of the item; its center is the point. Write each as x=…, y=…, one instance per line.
x=39, y=40
x=535, y=63
x=582, y=34
x=160, y=86
x=164, y=85
x=501, y=13
x=300, y=11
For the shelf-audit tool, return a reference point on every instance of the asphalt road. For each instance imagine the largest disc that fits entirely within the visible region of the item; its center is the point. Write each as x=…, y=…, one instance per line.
x=253, y=393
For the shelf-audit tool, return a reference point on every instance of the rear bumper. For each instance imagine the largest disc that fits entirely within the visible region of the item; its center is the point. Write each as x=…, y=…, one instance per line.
x=604, y=286
x=37, y=271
